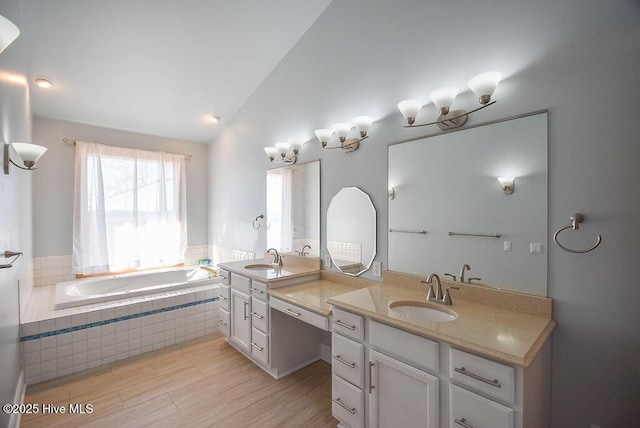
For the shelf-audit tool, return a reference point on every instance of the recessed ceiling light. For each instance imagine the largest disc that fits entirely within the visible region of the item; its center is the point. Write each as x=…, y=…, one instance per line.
x=43, y=83
x=213, y=119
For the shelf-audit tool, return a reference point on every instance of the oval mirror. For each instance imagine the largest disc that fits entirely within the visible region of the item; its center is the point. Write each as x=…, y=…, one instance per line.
x=351, y=231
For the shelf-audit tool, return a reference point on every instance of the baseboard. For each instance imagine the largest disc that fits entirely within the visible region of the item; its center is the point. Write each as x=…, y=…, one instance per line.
x=18, y=398
x=325, y=353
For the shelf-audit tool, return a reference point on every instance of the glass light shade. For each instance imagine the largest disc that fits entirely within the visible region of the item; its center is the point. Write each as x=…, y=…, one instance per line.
x=483, y=85
x=507, y=184
x=271, y=152
x=323, y=135
x=295, y=145
x=8, y=33
x=282, y=147
x=341, y=129
x=28, y=153
x=363, y=123
x=443, y=97
x=409, y=108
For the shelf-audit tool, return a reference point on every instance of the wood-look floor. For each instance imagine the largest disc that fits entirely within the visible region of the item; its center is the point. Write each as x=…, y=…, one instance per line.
x=201, y=383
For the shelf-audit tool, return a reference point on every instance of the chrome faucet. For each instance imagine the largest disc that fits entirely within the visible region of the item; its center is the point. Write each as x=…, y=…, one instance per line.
x=301, y=252
x=464, y=267
x=277, y=258
x=436, y=295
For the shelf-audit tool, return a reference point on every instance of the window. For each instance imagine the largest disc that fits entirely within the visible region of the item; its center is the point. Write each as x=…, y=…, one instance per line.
x=129, y=209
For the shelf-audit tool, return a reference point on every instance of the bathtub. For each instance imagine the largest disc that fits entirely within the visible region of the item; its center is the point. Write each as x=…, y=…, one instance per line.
x=105, y=288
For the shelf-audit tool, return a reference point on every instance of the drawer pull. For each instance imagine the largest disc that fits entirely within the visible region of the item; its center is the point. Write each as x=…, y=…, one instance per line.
x=343, y=361
x=464, y=371
x=222, y=297
x=462, y=422
x=344, y=406
x=341, y=324
x=257, y=315
x=290, y=312
x=244, y=310
x=257, y=347
x=222, y=323
x=255, y=290
x=371, y=364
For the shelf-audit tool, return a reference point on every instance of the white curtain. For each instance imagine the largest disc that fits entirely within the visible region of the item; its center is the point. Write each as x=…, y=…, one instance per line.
x=280, y=209
x=129, y=209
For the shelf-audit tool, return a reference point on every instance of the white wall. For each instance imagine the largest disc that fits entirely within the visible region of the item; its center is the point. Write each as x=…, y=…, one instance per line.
x=53, y=183
x=15, y=205
x=578, y=59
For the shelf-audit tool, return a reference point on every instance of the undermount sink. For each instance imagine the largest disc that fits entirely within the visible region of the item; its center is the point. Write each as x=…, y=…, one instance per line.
x=422, y=311
x=259, y=266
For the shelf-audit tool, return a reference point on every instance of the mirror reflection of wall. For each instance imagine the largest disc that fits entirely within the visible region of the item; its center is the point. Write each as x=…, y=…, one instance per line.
x=449, y=183
x=351, y=231
x=293, y=209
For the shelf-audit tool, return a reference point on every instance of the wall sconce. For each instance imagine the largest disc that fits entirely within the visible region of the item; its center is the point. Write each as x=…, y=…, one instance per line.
x=483, y=85
x=507, y=184
x=8, y=33
x=28, y=154
x=341, y=130
x=288, y=152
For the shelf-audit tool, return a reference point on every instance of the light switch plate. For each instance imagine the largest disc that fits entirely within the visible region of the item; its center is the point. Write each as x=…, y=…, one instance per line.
x=507, y=245
x=327, y=261
x=535, y=248
x=377, y=269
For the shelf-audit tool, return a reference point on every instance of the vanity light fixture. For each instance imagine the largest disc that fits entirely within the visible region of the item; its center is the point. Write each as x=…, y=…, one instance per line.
x=341, y=130
x=288, y=152
x=28, y=154
x=483, y=85
x=507, y=184
x=8, y=33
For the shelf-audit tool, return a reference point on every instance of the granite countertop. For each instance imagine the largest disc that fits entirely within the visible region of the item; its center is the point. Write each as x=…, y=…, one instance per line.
x=293, y=270
x=311, y=295
x=510, y=336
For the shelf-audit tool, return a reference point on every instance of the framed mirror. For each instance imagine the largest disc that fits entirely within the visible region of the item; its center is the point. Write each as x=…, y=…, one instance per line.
x=293, y=209
x=447, y=207
x=351, y=231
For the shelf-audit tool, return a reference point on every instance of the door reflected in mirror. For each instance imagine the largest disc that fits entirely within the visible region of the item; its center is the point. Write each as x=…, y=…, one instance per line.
x=293, y=209
x=351, y=231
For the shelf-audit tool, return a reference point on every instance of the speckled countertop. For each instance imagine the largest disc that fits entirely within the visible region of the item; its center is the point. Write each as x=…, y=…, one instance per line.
x=311, y=295
x=510, y=336
x=296, y=269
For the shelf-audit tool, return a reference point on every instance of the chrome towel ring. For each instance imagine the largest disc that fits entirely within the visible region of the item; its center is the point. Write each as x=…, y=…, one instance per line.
x=576, y=219
x=257, y=222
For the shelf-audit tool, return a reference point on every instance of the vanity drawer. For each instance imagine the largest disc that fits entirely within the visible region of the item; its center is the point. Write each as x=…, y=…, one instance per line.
x=259, y=290
x=224, y=296
x=300, y=313
x=492, y=378
x=348, y=360
x=223, y=322
x=225, y=276
x=415, y=350
x=241, y=283
x=260, y=315
x=348, y=324
x=347, y=402
x=260, y=346
x=467, y=409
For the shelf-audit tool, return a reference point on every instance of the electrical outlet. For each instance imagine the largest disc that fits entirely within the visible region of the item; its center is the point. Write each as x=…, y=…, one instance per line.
x=327, y=261
x=535, y=248
x=507, y=245
x=377, y=269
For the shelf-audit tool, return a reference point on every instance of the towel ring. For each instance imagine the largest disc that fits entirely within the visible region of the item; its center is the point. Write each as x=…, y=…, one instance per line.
x=576, y=219
x=257, y=221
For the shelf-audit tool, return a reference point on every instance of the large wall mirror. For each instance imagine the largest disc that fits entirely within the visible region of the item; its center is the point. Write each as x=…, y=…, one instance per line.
x=293, y=209
x=351, y=231
x=448, y=208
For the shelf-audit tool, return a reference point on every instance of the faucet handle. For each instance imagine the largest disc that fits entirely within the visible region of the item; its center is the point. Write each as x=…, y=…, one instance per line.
x=447, y=295
x=453, y=277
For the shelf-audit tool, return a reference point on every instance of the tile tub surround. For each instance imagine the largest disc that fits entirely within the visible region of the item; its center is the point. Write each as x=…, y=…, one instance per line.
x=71, y=340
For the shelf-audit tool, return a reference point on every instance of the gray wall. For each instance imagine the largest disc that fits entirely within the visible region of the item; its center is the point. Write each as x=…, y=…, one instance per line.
x=15, y=205
x=53, y=187
x=578, y=59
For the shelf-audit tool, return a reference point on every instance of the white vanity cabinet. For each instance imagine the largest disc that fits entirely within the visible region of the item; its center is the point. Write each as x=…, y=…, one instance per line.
x=224, y=319
x=384, y=376
x=240, y=320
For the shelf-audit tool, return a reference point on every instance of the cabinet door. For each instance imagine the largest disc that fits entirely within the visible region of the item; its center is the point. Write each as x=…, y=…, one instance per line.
x=241, y=320
x=401, y=395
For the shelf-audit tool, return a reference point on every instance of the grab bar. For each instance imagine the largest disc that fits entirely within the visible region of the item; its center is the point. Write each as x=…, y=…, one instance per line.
x=480, y=235
x=576, y=219
x=421, y=232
